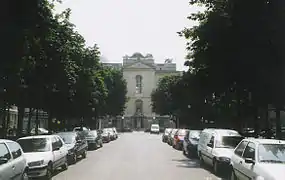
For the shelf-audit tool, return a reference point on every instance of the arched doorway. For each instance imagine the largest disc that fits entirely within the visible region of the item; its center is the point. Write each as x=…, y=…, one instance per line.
x=138, y=116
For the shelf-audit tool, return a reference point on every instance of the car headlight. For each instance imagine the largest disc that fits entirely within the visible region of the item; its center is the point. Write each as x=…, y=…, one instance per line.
x=224, y=159
x=36, y=163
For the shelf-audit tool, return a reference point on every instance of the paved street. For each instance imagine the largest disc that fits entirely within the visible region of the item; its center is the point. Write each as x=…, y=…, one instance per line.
x=138, y=156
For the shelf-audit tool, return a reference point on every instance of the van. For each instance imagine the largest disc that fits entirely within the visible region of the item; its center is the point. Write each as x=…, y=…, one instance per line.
x=216, y=146
x=154, y=129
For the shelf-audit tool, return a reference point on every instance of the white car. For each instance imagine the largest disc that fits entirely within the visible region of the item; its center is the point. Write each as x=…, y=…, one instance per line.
x=13, y=164
x=44, y=154
x=154, y=129
x=216, y=146
x=260, y=159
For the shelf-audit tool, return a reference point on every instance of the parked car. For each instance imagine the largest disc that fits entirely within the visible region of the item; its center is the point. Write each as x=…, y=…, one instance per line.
x=259, y=159
x=94, y=140
x=171, y=136
x=41, y=131
x=190, y=143
x=216, y=147
x=76, y=145
x=154, y=129
x=179, y=138
x=115, y=131
x=13, y=164
x=106, y=136
x=44, y=154
x=166, y=134
x=112, y=133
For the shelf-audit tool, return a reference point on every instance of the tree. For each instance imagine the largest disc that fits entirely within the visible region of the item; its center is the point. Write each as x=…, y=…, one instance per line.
x=117, y=90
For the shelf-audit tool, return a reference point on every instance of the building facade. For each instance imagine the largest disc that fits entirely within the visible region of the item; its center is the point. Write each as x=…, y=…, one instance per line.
x=142, y=75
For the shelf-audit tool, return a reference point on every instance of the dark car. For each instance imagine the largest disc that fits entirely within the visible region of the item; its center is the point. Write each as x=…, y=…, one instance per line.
x=166, y=134
x=191, y=142
x=106, y=137
x=94, y=139
x=171, y=136
x=179, y=138
x=76, y=145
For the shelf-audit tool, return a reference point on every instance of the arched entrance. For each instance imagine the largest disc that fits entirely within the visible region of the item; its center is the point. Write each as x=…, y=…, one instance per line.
x=138, y=117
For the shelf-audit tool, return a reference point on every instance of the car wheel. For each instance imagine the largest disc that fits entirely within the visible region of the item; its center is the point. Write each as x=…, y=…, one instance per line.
x=65, y=165
x=25, y=175
x=84, y=154
x=74, y=159
x=233, y=175
x=216, y=167
x=49, y=172
x=202, y=163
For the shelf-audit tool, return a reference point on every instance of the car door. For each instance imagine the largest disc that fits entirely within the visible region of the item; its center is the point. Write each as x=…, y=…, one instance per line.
x=62, y=151
x=19, y=162
x=209, y=149
x=6, y=163
x=248, y=168
x=237, y=159
x=55, y=152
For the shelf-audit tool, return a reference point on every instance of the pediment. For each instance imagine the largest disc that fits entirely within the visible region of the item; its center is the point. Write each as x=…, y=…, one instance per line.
x=139, y=65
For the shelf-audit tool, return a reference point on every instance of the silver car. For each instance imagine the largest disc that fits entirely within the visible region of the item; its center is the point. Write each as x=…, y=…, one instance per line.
x=13, y=165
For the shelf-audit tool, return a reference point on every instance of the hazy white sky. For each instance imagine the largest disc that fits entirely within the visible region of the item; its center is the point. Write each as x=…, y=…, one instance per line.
x=122, y=27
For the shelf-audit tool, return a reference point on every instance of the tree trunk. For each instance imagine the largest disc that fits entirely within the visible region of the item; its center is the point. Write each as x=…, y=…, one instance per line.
x=37, y=122
x=29, y=120
x=278, y=124
x=50, y=122
x=20, y=121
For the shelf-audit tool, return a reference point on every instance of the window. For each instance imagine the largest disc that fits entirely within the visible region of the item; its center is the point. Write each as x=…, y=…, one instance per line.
x=211, y=143
x=249, y=151
x=138, y=106
x=34, y=145
x=239, y=150
x=15, y=149
x=4, y=152
x=59, y=142
x=138, y=84
x=54, y=143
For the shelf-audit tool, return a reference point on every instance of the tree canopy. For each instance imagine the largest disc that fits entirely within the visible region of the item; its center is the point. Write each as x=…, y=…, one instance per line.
x=46, y=65
x=236, y=63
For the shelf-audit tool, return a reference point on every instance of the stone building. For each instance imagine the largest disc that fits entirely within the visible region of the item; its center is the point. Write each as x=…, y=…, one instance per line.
x=142, y=75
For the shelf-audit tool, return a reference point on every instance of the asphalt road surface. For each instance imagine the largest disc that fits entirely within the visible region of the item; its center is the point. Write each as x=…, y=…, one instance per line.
x=136, y=156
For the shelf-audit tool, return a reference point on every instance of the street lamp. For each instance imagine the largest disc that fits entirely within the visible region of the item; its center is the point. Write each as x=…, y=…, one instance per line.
x=189, y=106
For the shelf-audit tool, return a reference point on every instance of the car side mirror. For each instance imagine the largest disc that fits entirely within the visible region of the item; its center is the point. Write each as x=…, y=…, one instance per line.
x=3, y=160
x=55, y=149
x=249, y=161
x=210, y=144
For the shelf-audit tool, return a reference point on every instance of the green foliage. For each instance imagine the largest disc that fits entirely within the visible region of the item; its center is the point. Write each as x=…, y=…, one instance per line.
x=46, y=65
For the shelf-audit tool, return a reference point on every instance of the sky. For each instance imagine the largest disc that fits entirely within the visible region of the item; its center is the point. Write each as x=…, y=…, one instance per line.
x=123, y=27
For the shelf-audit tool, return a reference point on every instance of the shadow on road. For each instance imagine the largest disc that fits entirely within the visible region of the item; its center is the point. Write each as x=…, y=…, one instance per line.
x=194, y=163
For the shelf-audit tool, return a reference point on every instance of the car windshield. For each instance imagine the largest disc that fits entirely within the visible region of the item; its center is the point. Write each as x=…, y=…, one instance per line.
x=194, y=135
x=271, y=153
x=34, y=145
x=167, y=131
x=68, y=138
x=154, y=127
x=182, y=132
x=229, y=141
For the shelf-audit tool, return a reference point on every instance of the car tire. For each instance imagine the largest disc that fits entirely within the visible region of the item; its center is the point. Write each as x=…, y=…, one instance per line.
x=216, y=167
x=65, y=165
x=84, y=154
x=233, y=175
x=202, y=163
x=74, y=159
x=25, y=175
x=49, y=172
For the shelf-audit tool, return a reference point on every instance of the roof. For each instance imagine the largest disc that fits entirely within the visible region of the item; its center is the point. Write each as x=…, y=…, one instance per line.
x=39, y=136
x=266, y=141
x=5, y=140
x=222, y=131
